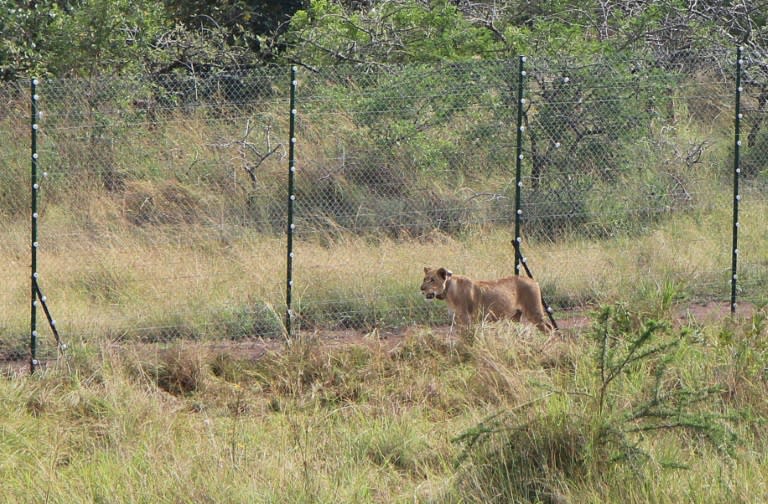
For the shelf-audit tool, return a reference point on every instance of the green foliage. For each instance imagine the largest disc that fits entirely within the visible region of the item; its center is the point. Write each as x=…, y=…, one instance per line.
x=627, y=350
x=636, y=393
x=754, y=156
x=249, y=23
x=90, y=37
x=391, y=32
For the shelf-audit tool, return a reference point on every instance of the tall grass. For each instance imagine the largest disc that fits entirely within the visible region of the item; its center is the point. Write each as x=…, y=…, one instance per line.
x=376, y=422
x=185, y=283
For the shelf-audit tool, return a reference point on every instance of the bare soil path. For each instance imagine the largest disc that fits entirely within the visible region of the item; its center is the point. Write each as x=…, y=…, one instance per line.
x=569, y=322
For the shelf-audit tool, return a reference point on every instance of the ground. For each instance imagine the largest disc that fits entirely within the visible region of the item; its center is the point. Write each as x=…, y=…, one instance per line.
x=703, y=313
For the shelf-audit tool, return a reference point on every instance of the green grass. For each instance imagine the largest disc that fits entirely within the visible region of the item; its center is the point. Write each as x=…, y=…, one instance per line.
x=512, y=418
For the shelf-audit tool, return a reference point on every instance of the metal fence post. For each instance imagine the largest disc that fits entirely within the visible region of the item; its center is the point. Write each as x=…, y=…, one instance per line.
x=291, y=199
x=518, y=163
x=33, y=242
x=736, y=173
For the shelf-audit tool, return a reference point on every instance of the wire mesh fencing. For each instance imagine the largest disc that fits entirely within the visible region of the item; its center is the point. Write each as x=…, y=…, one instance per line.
x=751, y=249
x=14, y=204
x=630, y=165
x=164, y=199
x=396, y=164
x=157, y=196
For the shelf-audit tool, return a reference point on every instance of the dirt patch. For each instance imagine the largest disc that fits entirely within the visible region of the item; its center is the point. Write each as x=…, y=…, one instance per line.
x=568, y=322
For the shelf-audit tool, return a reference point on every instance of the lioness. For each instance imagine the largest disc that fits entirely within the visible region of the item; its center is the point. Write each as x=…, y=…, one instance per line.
x=511, y=297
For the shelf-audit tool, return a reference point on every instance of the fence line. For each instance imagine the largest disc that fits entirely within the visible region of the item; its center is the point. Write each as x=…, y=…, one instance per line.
x=166, y=196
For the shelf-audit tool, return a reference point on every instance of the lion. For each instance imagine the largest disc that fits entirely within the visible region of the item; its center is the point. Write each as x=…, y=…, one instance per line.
x=512, y=297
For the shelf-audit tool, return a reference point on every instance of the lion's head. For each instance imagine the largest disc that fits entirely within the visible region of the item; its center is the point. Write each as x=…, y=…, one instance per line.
x=434, y=282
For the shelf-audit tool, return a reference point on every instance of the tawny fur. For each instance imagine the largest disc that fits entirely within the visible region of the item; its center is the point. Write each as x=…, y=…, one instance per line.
x=512, y=297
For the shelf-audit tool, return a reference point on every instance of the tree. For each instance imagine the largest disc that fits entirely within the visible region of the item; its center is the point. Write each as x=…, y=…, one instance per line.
x=394, y=31
x=90, y=37
x=250, y=23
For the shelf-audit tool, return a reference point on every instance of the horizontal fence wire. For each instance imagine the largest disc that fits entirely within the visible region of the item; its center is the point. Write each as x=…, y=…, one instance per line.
x=164, y=199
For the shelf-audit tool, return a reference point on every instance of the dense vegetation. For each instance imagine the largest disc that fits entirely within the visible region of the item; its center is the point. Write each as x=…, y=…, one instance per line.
x=164, y=132
x=63, y=38
x=633, y=409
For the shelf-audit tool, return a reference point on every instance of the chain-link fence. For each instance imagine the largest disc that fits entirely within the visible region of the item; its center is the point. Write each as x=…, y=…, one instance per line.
x=164, y=200
x=752, y=223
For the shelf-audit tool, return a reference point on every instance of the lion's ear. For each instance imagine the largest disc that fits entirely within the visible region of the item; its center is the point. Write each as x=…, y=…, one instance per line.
x=426, y=270
x=444, y=273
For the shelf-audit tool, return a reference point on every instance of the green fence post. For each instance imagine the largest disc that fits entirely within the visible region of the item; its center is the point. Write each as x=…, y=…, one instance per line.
x=291, y=199
x=519, y=163
x=33, y=243
x=736, y=173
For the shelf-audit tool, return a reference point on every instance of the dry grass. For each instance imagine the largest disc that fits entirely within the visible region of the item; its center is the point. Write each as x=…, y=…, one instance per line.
x=171, y=281
x=365, y=422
